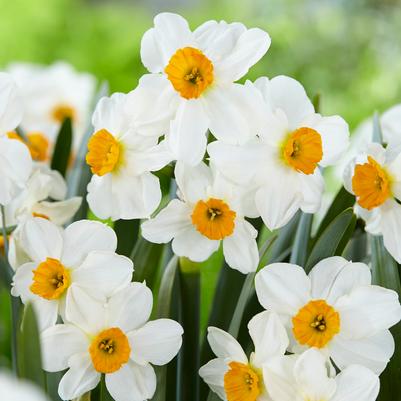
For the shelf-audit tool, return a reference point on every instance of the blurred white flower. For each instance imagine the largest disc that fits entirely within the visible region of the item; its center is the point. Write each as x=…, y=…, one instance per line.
x=334, y=308
x=194, y=73
x=232, y=375
x=374, y=177
x=115, y=339
x=50, y=94
x=283, y=161
x=13, y=389
x=62, y=261
x=121, y=160
x=11, y=106
x=306, y=377
x=209, y=211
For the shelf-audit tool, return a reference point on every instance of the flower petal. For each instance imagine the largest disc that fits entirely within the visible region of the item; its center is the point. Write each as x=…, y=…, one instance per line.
x=391, y=228
x=213, y=375
x=59, y=212
x=225, y=346
x=100, y=196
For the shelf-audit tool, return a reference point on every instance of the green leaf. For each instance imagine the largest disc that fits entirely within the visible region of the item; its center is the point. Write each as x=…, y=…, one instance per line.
x=6, y=273
x=333, y=239
x=127, y=232
x=29, y=355
x=301, y=241
x=385, y=272
x=341, y=202
x=62, y=148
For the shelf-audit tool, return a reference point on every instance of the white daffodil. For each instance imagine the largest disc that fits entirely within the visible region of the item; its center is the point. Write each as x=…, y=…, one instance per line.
x=50, y=94
x=121, y=160
x=195, y=74
x=374, y=177
x=15, y=160
x=209, y=211
x=80, y=257
x=335, y=309
x=283, y=161
x=305, y=377
x=13, y=389
x=232, y=375
x=113, y=338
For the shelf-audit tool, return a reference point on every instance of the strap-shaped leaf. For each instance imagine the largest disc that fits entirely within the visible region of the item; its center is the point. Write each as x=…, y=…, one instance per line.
x=62, y=148
x=299, y=251
x=127, y=232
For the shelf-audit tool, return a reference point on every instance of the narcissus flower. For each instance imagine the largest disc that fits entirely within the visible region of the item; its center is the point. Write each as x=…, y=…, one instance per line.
x=232, y=375
x=375, y=179
x=115, y=339
x=334, y=309
x=121, y=160
x=209, y=211
x=195, y=73
x=50, y=94
x=11, y=106
x=13, y=389
x=80, y=257
x=306, y=377
x=283, y=162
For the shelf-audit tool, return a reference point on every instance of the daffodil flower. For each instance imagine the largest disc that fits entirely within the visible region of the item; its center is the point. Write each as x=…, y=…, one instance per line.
x=113, y=338
x=334, y=308
x=374, y=177
x=81, y=256
x=232, y=375
x=121, y=160
x=305, y=377
x=209, y=211
x=283, y=161
x=195, y=73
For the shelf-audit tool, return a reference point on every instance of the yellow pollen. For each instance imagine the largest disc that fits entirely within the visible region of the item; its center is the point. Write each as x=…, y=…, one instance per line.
x=62, y=111
x=316, y=324
x=371, y=184
x=109, y=350
x=190, y=72
x=242, y=383
x=214, y=219
x=43, y=216
x=104, y=153
x=50, y=279
x=303, y=150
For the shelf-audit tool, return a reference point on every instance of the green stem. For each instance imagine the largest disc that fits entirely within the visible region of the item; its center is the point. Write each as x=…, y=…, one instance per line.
x=4, y=230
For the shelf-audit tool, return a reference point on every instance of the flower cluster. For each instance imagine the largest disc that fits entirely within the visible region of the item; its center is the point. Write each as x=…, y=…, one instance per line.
x=237, y=152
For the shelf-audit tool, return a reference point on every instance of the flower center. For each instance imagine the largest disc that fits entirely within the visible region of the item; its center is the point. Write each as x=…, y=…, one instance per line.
x=50, y=279
x=371, y=184
x=241, y=383
x=190, y=72
x=214, y=219
x=316, y=324
x=104, y=153
x=303, y=150
x=109, y=350
x=62, y=111
x=36, y=142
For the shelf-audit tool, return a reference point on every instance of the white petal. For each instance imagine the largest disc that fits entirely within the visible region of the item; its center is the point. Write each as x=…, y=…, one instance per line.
x=374, y=352
x=132, y=382
x=100, y=196
x=268, y=335
x=46, y=312
x=84, y=236
x=59, y=212
x=103, y=271
x=312, y=187
x=334, y=277
x=131, y=307
x=171, y=221
x=225, y=346
x=235, y=112
x=59, y=343
x=170, y=33
x=80, y=378
x=240, y=249
x=391, y=228
x=283, y=288
x=368, y=310
x=311, y=375
x=187, y=137
x=10, y=104
x=213, y=374
x=157, y=342
x=193, y=245
x=22, y=281
x=41, y=239
x=356, y=383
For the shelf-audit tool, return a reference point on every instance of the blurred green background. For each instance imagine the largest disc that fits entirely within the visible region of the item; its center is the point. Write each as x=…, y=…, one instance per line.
x=348, y=50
